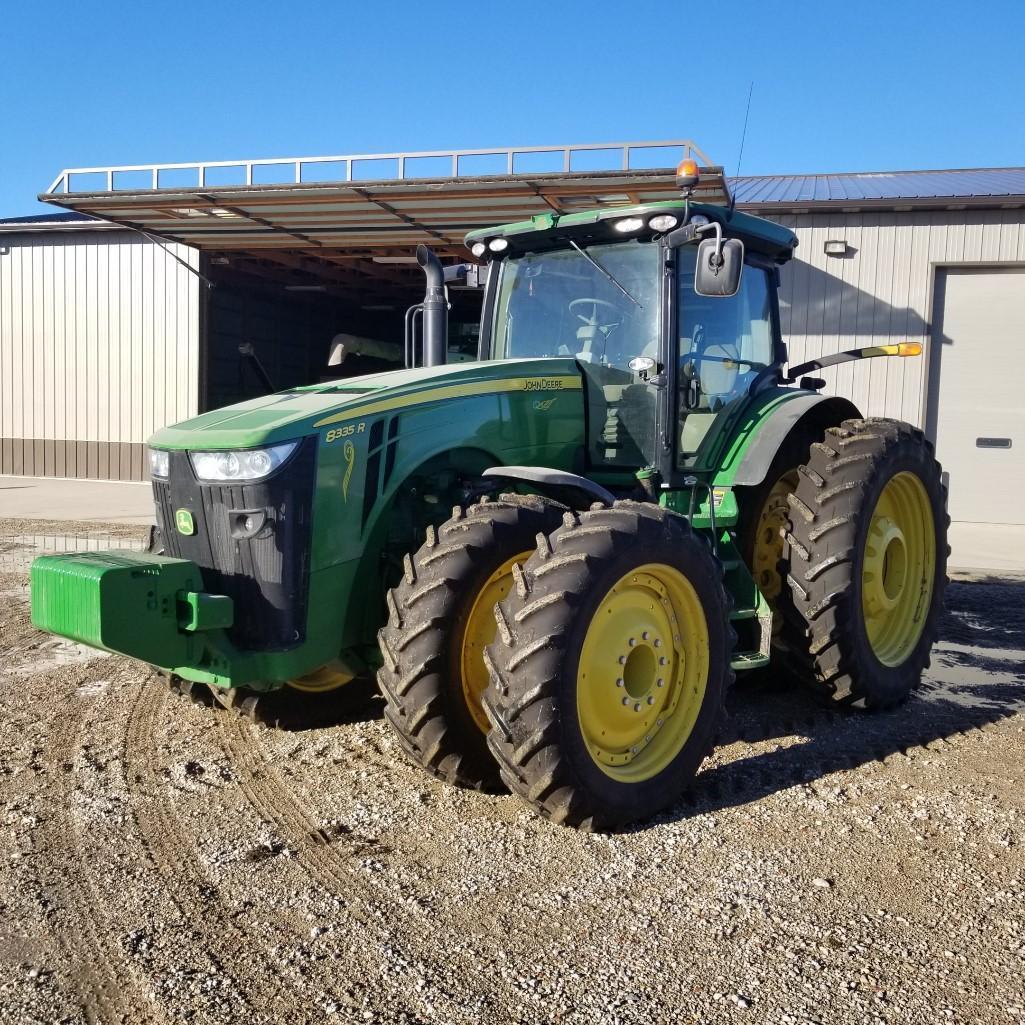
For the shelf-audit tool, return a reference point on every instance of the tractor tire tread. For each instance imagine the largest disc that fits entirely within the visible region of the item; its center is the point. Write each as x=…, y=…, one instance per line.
x=822, y=638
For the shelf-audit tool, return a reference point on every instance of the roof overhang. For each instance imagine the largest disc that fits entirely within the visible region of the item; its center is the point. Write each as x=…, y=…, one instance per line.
x=371, y=218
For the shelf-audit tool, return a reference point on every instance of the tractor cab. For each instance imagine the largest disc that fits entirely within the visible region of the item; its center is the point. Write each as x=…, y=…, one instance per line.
x=639, y=297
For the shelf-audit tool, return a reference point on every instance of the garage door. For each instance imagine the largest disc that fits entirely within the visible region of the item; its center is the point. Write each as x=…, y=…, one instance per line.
x=977, y=391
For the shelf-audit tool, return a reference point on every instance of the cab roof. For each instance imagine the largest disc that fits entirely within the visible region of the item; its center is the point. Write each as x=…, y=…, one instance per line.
x=553, y=231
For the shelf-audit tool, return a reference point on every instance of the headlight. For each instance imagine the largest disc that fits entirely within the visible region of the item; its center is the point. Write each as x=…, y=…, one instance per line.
x=245, y=465
x=159, y=463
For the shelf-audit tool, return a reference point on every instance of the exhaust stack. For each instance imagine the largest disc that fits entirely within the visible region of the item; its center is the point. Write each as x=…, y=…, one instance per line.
x=435, y=309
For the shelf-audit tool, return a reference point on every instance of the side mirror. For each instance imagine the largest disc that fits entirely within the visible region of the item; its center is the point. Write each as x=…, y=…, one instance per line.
x=455, y=272
x=718, y=274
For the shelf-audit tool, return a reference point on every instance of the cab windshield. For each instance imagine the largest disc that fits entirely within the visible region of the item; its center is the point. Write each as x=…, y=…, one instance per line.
x=560, y=304
x=600, y=306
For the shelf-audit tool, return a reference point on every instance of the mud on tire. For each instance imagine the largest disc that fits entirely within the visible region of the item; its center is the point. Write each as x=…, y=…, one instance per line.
x=536, y=736
x=421, y=644
x=831, y=516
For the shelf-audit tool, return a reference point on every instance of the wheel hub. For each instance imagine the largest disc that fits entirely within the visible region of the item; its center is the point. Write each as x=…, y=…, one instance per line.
x=898, y=567
x=769, y=536
x=885, y=573
x=633, y=680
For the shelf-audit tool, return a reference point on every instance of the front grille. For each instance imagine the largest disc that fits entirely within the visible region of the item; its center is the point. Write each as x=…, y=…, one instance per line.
x=266, y=576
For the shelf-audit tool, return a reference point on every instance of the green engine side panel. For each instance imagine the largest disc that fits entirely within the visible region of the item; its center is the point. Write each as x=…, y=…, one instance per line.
x=119, y=601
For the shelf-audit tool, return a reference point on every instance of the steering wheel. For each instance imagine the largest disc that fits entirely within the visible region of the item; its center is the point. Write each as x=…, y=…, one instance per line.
x=596, y=304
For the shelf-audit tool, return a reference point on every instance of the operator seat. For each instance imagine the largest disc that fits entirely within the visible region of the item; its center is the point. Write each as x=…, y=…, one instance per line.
x=718, y=380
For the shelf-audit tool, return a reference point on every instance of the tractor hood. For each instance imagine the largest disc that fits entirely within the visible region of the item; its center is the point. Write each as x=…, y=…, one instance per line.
x=301, y=411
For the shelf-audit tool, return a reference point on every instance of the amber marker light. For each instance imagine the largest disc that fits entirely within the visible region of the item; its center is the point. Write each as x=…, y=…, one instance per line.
x=909, y=349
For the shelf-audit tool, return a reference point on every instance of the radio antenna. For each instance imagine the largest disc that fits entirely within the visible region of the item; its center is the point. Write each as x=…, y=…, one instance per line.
x=743, y=139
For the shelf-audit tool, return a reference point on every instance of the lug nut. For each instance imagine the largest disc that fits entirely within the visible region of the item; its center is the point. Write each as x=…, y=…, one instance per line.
x=651, y=700
x=662, y=660
x=637, y=707
x=621, y=682
x=632, y=641
x=622, y=660
x=626, y=701
x=644, y=636
x=660, y=682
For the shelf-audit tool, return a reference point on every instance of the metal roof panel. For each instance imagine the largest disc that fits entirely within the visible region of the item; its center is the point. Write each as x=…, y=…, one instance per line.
x=875, y=186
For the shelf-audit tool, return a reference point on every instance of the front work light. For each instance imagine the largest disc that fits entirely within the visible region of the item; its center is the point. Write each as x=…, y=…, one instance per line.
x=662, y=222
x=159, y=463
x=245, y=465
x=629, y=224
x=498, y=245
x=478, y=249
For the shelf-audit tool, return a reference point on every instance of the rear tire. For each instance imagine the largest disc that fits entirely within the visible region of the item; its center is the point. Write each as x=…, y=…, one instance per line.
x=867, y=554
x=441, y=617
x=610, y=667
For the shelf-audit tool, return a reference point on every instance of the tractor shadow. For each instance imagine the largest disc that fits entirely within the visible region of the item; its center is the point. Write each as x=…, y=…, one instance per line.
x=294, y=712
x=977, y=678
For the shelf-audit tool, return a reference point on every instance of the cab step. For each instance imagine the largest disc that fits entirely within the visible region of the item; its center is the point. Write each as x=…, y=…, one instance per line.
x=748, y=660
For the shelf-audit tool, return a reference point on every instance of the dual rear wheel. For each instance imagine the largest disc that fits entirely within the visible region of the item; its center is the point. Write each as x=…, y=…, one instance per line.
x=580, y=659
x=847, y=539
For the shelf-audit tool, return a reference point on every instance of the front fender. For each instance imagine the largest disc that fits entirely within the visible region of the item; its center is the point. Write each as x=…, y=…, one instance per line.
x=569, y=488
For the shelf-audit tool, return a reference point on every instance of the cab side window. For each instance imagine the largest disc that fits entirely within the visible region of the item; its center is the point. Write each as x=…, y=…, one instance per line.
x=724, y=343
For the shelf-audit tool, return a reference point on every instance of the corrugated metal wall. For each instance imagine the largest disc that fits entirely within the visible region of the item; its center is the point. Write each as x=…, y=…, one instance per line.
x=882, y=292
x=99, y=346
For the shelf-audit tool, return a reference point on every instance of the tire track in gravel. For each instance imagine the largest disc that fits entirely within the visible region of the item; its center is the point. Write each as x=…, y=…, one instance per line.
x=108, y=986
x=327, y=858
x=274, y=803
x=188, y=885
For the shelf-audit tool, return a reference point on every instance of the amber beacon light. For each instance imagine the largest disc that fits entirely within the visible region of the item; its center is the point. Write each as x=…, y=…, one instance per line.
x=687, y=175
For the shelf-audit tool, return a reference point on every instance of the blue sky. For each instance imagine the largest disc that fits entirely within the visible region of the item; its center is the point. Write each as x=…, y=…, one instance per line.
x=853, y=86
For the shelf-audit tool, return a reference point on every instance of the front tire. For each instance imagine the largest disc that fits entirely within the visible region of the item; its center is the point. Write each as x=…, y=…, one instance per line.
x=441, y=618
x=610, y=667
x=867, y=557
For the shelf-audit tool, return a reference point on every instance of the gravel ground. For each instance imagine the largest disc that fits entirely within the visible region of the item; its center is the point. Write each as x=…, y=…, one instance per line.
x=162, y=861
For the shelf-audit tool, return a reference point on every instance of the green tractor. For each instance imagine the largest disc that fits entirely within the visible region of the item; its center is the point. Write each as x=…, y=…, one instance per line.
x=557, y=557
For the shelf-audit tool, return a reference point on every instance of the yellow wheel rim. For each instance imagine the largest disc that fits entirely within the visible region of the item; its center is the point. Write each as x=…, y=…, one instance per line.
x=478, y=633
x=321, y=681
x=899, y=568
x=643, y=672
x=769, y=531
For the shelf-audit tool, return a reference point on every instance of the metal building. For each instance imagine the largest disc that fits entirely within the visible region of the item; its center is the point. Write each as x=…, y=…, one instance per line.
x=936, y=257
x=99, y=343
x=107, y=332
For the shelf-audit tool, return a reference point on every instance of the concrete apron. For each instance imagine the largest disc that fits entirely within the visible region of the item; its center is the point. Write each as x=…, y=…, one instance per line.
x=55, y=498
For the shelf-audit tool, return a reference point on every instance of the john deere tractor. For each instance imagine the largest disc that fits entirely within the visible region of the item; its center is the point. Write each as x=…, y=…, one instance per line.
x=557, y=557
